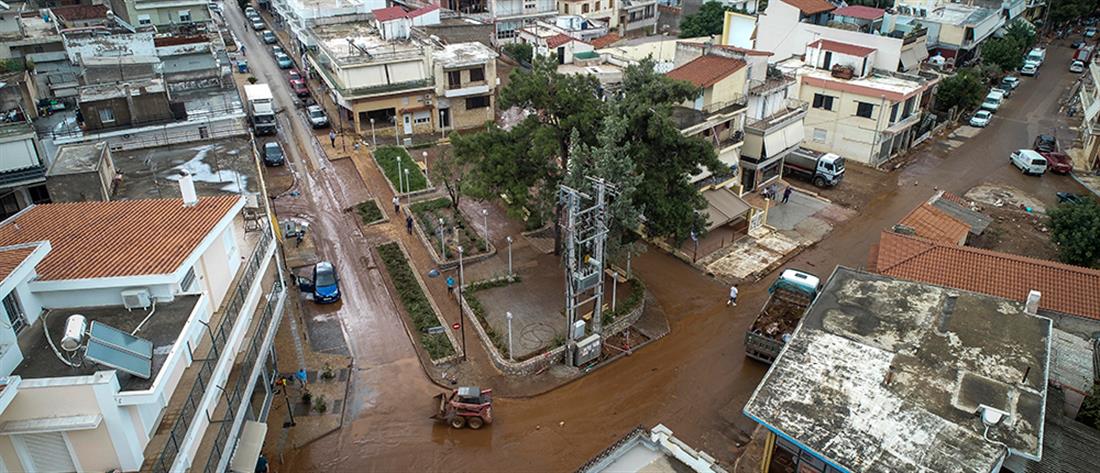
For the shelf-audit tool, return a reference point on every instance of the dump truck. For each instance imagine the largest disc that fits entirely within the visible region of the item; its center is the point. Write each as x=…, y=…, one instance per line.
x=789, y=297
x=822, y=169
x=261, y=108
x=465, y=406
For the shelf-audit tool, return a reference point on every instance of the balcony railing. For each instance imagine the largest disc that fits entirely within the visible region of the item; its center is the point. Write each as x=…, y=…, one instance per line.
x=21, y=175
x=792, y=108
x=219, y=337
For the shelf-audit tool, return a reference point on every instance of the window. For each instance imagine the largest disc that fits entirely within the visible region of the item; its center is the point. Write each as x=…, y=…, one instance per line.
x=477, y=74
x=144, y=20
x=45, y=451
x=597, y=5
x=908, y=107
x=823, y=101
x=106, y=115
x=454, y=79
x=610, y=4
x=820, y=135
x=16, y=316
x=649, y=11
x=477, y=102
x=864, y=109
x=584, y=8
x=39, y=194
x=185, y=16
x=894, y=113
x=422, y=118
x=188, y=280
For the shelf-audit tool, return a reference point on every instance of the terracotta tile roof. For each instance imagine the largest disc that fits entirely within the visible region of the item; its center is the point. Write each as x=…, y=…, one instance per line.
x=559, y=39
x=11, y=257
x=860, y=11
x=119, y=238
x=391, y=13
x=811, y=7
x=1067, y=289
x=934, y=224
x=423, y=10
x=80, y=12
x=705, y=71
x=842, y=48
x=605, y=40
x=954, y=198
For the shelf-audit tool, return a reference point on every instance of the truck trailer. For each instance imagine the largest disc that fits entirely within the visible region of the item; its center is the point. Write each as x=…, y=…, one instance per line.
x=789, y=297
x=261, y=108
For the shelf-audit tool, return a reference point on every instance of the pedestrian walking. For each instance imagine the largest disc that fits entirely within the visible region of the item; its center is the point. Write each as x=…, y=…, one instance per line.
x=332, y=137
x=733, y=296
x=396, y=204
x=787, y=194
x=450, y=285
x=409, y=224
x=242, y=50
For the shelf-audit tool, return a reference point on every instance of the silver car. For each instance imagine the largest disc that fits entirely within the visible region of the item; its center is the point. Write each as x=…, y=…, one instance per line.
x=316, y=116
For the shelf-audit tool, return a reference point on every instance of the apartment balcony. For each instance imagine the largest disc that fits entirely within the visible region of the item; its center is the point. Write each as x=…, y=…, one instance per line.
x=773, y=83
x=454, y=91
x=204, y=383
x=793, y=110
x=23, y=176
x=772, y=137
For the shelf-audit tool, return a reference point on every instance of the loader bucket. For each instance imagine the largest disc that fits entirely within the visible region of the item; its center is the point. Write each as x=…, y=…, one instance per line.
x=442, y=409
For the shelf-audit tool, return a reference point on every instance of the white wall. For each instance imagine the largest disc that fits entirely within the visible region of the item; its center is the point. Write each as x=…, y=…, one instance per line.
x=798, y=35
x=107, y=294
x=218, y=265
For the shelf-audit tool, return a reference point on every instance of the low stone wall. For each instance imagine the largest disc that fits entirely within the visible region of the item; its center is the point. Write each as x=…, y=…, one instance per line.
x=626, y=320
x=414, y=335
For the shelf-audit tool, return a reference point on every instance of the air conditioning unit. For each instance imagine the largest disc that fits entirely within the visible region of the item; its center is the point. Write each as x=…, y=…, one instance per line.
x=136, y=298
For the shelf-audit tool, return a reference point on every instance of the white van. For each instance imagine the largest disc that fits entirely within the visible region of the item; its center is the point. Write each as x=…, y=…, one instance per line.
x=993, y=100
x=1037, y=56
x=1029, y=161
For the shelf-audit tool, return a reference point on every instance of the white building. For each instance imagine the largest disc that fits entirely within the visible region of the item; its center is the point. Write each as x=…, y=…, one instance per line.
x=181, y=298
x=22, y=168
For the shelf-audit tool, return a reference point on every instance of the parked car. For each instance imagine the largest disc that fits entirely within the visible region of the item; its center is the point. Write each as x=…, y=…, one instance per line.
x=268, y=37
x=993, y=100
x=981, y=119
x=258, y=25
x=1030, y=69
x=1058, y=162
x=325, y=284
x=214, y=7
x=1045, y=144
x=316, y=116
x=1029, y=161
x=299, y=88
x=277, y=50
x=273, y=154
x=250, y=11
x=293, y=75
x=1090, y=32
x=1069, y=198
x=283, y=61
x=1077, y=43
x=1077, y=67
x=1010, y=82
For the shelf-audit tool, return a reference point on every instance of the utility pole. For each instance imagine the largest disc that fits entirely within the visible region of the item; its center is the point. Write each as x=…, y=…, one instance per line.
x=585, y=238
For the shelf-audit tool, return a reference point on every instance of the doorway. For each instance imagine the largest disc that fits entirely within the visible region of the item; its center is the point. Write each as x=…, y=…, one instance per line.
x=408, y=120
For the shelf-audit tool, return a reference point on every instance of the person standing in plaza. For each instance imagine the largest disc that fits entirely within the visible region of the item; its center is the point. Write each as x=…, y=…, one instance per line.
x=787, y=194
x=409, y=224
x=396, y=204
x=332, y=137
x=733, y=296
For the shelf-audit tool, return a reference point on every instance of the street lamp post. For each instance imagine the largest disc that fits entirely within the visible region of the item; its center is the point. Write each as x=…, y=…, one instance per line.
x=408, y=184
x=510, y=356
x=509, y=240
x=442, y=247
x=373, y=138
x=425, y=155
x=461, y=314
x=614, y=288
x=485, y=222
x=400, y=183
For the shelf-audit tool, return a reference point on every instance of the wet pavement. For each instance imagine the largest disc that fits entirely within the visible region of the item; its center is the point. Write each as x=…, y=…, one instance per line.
x=695, y=380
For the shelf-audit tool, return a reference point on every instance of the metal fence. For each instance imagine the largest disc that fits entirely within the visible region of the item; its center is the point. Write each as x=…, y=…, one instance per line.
x=218, y=336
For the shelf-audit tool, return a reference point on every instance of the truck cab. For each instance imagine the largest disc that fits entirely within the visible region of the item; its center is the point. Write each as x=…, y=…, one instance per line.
x=823, y=169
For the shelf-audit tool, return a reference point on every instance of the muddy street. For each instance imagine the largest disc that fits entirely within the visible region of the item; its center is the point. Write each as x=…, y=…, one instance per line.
x=695, y=380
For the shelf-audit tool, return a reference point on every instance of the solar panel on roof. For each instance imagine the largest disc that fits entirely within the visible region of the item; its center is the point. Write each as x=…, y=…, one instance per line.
x=116, y=338
x=118, y=359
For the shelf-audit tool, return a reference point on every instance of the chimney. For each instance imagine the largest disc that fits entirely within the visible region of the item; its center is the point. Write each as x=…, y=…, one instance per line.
x=1032, y=304
x=187, y=189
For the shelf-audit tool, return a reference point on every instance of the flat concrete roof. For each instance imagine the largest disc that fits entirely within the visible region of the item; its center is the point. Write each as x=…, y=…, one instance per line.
x=350, y=43
x=138, y=87
x=886, y=375
x=76, y=158
x=162, y=329
x=464, y=54
x=217, y=166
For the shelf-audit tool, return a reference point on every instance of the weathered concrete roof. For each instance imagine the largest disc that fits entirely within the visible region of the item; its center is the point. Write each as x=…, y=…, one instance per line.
x=77, y=158
x=885, y=375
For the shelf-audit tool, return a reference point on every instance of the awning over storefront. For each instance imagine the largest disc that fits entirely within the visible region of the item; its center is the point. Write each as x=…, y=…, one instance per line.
x=910, y=58
x=724, y=206
x=248, y=447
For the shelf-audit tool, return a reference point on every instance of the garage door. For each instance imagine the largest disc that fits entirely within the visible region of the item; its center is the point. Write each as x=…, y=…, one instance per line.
x=46, y=452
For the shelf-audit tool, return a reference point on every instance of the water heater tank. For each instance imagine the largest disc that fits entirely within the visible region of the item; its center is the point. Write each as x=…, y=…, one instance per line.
x=75, y=327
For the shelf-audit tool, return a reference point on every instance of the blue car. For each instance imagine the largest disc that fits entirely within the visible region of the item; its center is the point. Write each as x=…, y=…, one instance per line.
x=325, y=285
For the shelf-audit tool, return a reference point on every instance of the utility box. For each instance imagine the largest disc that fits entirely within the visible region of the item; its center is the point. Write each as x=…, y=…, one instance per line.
x=577, y=329
x=587, y=350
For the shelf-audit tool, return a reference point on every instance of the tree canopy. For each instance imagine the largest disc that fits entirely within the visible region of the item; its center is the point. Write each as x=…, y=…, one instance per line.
x=1062, y=11
x=1075, y=228
x=707, y=21
x=1007, y=52
x=963, y=90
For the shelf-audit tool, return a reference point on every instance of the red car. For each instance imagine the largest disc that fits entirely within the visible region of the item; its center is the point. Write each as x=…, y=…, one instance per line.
x=293, y=75
x=299, y=87
x=1058, y=162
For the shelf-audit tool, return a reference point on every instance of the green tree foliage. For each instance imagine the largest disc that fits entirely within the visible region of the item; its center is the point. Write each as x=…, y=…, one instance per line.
x=1075, y=228
x=663, y=156
x=1022, y=32
x=611, y=161
x=1006, y=53
x=1062, y=11
x=1090, y=408
x=963, y=90
x=707, y=21
x=520, y=51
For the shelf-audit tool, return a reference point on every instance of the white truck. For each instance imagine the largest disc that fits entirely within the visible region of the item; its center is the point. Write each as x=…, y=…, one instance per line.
x=791, y=294
x=822, y=169
x=1036, y=56
x=261, y=108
